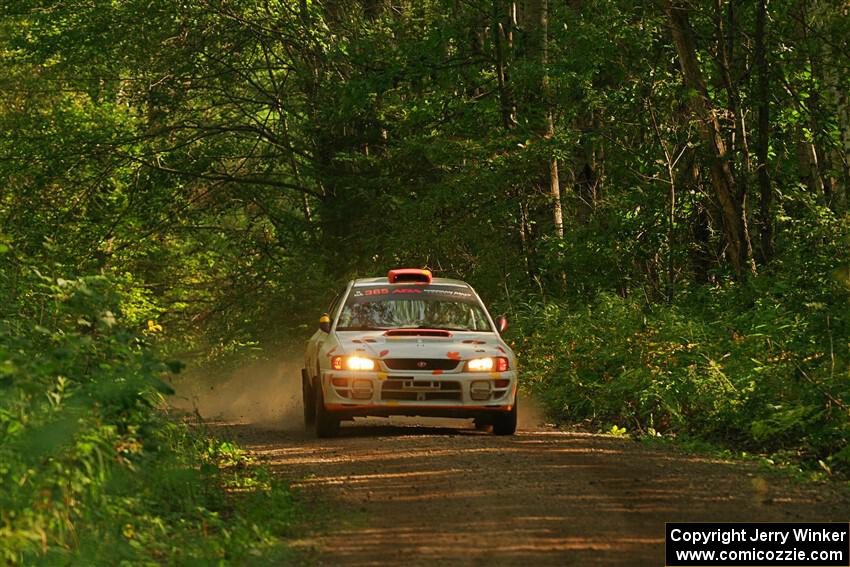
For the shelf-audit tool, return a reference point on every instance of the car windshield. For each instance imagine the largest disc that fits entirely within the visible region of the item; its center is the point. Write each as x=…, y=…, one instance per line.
x=412, y=307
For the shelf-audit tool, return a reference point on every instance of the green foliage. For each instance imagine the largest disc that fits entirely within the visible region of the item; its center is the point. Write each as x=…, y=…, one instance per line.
x=92, y=472
x=763, y=366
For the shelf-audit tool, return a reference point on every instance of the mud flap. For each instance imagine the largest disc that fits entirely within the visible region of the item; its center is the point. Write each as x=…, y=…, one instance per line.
x=308, y=399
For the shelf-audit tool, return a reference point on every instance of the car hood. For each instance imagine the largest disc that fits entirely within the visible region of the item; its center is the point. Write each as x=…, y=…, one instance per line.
x=460, y=345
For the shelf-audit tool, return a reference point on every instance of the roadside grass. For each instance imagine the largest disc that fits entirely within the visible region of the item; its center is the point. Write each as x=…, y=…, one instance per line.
x=93, y=471
x=777, y=465
x=197, y=500
x=770, y=379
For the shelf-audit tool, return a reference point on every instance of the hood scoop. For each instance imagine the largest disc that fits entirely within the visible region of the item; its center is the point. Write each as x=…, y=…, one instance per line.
x=417, y=333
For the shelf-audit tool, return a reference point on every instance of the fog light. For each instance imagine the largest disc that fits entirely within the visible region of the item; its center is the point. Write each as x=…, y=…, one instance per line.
x=479, y=390
x=361, y=389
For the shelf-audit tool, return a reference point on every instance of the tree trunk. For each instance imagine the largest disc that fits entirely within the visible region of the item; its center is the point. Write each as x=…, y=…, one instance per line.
x=763, y=140
x=807, y=160
x=502, y=33
x=734, y=107
x=722, y=178
x=835, y=166
x=700, y=252
x=587, y=152
x=538, y=16
x=842, y=104
x=812, y=153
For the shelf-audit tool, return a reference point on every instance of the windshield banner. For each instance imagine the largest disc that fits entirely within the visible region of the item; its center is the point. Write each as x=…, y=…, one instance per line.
x=420, y=292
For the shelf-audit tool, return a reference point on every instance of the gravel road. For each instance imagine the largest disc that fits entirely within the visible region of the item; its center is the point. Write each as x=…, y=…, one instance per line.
x=402, y=493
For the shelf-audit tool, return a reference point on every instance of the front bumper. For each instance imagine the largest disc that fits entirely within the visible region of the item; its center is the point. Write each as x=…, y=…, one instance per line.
x=455, y=394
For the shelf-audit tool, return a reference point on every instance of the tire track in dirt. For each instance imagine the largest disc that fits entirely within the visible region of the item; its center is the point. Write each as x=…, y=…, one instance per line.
x=402, y=493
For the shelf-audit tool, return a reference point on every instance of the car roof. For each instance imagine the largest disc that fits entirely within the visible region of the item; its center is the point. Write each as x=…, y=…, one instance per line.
x=434, y=281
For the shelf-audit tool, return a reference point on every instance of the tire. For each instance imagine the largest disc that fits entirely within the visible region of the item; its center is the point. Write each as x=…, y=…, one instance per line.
x=504, y=423
x=483, y=423
x=307, y=400
x=326, y=424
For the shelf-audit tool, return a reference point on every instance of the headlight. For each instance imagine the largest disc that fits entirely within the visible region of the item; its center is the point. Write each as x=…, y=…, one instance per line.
x=488, y=364
x=352, y=363
x=480, y=364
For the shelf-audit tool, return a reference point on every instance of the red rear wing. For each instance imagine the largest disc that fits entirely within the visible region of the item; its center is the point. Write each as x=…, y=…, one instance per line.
x=409, y=275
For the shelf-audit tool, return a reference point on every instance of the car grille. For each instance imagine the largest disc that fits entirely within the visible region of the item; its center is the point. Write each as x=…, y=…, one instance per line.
x=420, y=390
x=421, y=363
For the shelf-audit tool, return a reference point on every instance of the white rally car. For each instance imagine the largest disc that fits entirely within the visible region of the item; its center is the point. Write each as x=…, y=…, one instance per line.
x=409, y=344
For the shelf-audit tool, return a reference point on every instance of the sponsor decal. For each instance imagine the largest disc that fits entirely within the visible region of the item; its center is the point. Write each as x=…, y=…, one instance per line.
x=381, y=291
x=393, y=292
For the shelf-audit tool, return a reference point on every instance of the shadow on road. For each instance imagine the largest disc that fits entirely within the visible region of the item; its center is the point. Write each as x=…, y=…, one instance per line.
x=451, y=495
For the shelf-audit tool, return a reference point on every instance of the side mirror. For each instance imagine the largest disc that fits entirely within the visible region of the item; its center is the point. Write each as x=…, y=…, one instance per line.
x=501, y=323
x=325, y=323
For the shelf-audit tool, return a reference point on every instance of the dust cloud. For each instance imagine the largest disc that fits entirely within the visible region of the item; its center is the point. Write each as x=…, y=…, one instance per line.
x=262, y=392
x=530, y=415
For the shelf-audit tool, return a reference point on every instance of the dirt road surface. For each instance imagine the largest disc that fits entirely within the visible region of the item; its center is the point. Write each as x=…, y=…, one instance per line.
x=401, y=493
x=418, y=492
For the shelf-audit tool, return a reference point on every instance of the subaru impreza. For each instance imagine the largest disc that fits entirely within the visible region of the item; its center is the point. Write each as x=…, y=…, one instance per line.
x=409, y=344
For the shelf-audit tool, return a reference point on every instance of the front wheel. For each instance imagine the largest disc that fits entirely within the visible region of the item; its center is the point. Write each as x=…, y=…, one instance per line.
x=504, y=423
x=307, y=400
x=326, y=424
